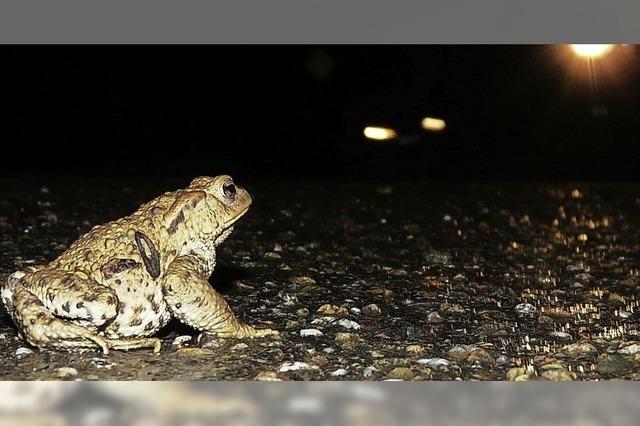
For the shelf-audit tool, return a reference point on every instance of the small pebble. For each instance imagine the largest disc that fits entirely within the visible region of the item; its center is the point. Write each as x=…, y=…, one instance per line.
x=401, y=373
x=503, y=361
x=579, y=348
x=518, y=374
x=181, y=340
x=434, y=318
x=525, y=308
x=64, y=372
x=323, y=321
x=102, y=363
x=630, y=348
x=414, y=349
x=295, y=366
x=339, y=372
x=348, y=324
x=310, y=332
x=267, y=376
x=556, y=372
x=613, y=364
x=451, y=308
x=239, y=347
x=23, y=352
x=371, y=309
x=560, y=335
x=329, y=309
x=303, y=280
x=369, y=371
x=434, y=363
x=460, y=352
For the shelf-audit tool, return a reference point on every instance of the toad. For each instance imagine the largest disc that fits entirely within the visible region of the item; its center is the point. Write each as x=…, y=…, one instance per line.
x=123, y=281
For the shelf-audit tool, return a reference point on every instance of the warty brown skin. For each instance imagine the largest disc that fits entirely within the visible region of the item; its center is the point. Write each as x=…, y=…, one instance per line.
x=122, y=281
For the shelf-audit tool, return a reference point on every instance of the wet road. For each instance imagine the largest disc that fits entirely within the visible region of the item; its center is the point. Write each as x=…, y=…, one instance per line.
x=374, y=281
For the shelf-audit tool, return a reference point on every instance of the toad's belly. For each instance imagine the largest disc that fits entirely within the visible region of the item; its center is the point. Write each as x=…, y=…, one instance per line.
x=142, y=311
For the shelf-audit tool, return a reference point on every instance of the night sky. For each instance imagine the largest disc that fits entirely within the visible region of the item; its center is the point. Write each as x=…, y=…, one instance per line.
x=512, y=112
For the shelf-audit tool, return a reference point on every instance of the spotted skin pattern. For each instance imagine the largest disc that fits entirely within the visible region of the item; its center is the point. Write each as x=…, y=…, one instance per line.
x=123, y=281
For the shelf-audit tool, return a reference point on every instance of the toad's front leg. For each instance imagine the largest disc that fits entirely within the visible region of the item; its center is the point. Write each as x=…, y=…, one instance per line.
x=194, y=302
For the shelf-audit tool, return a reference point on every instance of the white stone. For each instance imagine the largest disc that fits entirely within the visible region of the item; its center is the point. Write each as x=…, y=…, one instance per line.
x=310, y=332
x=339, y=372
x=560, y=334
x=525, y=308
x=323, y=320
x=239, y=347
x=631, y=349
x=368, y=371
x=435, y=363
x=180, y=340
x=22, y=351
x=348, y=324
x=295, y=366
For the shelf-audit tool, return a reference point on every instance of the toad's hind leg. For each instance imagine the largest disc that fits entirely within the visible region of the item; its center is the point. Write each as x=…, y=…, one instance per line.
x=42, y=329
x=49, y=313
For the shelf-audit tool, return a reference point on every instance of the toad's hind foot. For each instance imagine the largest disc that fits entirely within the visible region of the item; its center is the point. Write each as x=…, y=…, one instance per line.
x=125, y=344
x=72, y=337
x=88, y=340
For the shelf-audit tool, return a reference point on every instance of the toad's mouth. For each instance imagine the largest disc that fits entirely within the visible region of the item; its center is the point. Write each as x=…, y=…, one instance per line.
x=234, y=219
x=227, y=225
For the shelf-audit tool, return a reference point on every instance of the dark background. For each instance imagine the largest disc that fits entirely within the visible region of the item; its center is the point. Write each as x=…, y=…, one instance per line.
x=512, y=112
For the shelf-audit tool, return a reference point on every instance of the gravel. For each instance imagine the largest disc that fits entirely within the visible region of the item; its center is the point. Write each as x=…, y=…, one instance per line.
x=520, y=282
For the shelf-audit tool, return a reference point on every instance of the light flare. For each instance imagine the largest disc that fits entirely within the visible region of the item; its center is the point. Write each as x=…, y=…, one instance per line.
x=433, y=124
x=379, y=133
x=591, y=51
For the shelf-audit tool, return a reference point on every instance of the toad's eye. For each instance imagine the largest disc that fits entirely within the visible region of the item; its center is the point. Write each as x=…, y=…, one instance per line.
x=229, y=190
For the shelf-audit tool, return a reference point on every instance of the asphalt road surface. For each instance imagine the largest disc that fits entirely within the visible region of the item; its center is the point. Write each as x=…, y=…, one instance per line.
x=372, y=281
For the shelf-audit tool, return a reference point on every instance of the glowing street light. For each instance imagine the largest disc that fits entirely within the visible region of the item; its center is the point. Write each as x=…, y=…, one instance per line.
x=433, y=124
x=379, y=133
x=591, y=51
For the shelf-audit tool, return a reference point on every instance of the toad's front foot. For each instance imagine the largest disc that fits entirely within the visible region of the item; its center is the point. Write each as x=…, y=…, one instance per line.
x=242, y=332
x=264, y=332
x=247, y=332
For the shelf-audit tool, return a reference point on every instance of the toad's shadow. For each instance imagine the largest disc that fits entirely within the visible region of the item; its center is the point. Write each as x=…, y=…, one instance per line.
x=225, y=275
